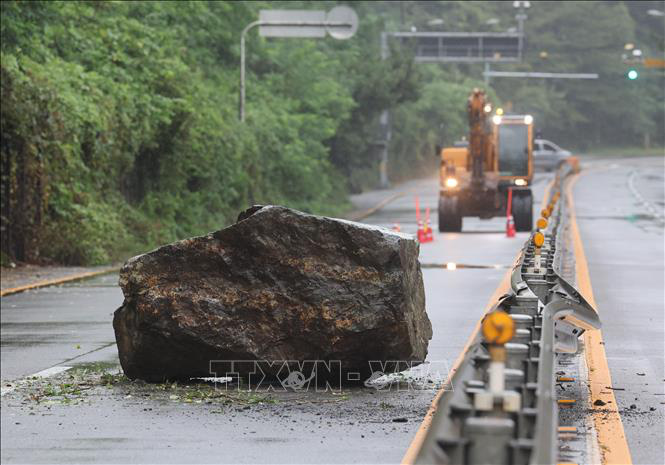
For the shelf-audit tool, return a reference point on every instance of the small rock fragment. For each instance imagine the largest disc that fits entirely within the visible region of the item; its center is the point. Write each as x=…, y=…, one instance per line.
x=633, y=406
x=400, y=420
x=599, y=402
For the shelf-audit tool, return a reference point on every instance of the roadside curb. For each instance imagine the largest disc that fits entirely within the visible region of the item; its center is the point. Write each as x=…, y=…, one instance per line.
x=56, y=281
x=359, y=216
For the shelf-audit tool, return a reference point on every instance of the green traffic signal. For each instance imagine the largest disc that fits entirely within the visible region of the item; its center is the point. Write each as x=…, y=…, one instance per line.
x=632, y=74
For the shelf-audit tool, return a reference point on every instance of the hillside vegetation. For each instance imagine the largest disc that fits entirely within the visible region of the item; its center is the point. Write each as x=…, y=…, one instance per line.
x=120, y=129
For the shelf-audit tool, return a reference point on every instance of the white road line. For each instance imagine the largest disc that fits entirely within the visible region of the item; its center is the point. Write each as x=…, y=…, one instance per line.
x=40, y=374
x=50, y=372
x=656, y=213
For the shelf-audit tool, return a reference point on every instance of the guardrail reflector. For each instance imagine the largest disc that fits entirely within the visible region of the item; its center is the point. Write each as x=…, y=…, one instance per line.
x=538, y=239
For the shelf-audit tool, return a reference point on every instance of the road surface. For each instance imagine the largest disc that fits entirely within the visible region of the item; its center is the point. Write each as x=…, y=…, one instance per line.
x=70, y=326
x=620, y=206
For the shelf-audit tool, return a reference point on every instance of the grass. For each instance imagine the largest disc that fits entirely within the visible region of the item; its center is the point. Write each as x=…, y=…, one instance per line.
x=73, y=385
x=83, y=382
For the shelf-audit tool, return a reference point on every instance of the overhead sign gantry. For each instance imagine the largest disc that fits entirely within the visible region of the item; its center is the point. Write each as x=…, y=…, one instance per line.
x=461, y=47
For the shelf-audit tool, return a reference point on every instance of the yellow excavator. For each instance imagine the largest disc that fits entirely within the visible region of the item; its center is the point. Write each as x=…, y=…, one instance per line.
x=475, y=177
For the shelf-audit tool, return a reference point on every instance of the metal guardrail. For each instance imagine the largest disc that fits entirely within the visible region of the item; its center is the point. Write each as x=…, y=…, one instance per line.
x=549, y=316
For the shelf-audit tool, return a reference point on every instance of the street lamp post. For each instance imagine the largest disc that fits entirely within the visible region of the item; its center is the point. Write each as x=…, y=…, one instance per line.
x=241, y=100
x=241, y=109
x=384, y=121
x=340, y=23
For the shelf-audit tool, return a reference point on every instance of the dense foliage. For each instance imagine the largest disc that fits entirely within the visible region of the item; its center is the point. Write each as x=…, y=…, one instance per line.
x=119, y=119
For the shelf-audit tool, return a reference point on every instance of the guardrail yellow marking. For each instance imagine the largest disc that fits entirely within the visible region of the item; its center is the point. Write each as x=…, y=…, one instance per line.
x=611, y=436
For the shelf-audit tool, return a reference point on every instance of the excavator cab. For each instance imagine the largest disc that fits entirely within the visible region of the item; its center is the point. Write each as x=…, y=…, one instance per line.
x=513, y=139
x=514, y=142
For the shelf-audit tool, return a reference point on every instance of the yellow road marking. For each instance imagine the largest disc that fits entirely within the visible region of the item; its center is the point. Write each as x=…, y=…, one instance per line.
x=53, y=282
x=412, y=452
x=546, y=194
x=611, y=436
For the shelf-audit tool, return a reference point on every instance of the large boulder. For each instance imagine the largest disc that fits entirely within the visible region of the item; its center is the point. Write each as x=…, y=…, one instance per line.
x=277, y=285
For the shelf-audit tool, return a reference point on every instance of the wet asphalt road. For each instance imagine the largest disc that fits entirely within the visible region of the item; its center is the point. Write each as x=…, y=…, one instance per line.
x=58, y=325
x=71, y=325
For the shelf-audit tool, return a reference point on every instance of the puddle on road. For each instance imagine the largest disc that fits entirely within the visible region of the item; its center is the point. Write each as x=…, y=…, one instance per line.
x=451, y=266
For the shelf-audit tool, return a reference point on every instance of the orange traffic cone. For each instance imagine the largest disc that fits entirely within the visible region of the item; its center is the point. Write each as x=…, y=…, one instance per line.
x=429, y=236
x=510, y=227
x=421, y=232
x=510, y=222
x=426, y=232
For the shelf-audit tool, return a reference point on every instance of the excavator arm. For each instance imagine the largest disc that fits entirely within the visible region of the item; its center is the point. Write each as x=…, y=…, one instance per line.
x=481, y=144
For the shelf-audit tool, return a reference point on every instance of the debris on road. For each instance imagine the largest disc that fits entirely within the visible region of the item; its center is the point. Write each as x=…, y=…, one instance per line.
x=278, y=285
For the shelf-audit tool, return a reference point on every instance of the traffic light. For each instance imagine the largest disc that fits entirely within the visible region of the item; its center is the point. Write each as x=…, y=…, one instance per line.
x=632, y=74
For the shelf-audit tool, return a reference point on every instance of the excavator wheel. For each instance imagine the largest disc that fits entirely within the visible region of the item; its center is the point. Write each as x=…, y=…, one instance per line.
x=450, y=217
x=522, y=210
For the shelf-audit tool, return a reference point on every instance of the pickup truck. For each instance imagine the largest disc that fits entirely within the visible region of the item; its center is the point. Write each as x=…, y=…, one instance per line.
x=547, y=156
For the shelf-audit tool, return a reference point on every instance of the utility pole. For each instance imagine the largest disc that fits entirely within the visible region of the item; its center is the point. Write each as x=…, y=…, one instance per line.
x=521, y=16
